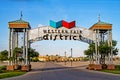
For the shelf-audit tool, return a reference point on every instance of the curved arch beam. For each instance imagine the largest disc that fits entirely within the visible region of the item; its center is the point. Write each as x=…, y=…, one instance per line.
x=79, y=33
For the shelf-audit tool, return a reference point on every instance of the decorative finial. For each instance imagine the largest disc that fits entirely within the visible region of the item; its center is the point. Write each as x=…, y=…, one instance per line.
x=99, y=18
x=21, y=15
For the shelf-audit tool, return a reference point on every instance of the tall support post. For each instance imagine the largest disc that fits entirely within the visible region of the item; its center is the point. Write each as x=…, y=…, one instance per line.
x=96, y=47
x=109, y=60
x=97, y=66
x=10, y=52
x=110, y=54
x=24, y=45
x=12, y=46
x=111, y=46
x=29, y=44
x=9, y=45
x=103, y=37
x=16, y=39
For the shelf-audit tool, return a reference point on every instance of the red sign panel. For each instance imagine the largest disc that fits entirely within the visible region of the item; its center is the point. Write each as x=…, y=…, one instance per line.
x=68, y=24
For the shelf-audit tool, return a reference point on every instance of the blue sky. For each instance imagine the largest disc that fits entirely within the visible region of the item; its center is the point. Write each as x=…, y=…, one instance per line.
x=84, y=12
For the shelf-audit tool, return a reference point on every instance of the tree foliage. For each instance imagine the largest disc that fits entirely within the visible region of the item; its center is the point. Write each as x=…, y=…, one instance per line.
x=104, y=49
x=4, y=55
x=90, y=50
x=114, y=49
x=17, y=52
x=32, y=53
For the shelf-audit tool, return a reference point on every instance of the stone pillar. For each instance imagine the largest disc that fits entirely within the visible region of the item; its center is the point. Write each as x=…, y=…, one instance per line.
x=28, y=44
x=24, y=45
x=111, y=46
x=97, y=66
x=9, y=45
x=109, y=59
x=27, y=66
x=16, y=39
x=98, y=41
x=96, y=47
x=10, y=65
x=110, y=65
x=12, y=46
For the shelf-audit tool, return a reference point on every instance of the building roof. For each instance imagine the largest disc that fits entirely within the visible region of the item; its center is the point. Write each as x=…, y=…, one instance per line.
x=102, y=23
x=19, y=24
x=19, y=21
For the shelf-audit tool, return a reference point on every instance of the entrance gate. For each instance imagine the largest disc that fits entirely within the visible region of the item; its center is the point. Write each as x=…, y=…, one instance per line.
x=61, y=30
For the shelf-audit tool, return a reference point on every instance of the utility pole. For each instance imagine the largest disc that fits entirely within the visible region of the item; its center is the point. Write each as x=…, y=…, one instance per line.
x=71, y=56
x=65, y=58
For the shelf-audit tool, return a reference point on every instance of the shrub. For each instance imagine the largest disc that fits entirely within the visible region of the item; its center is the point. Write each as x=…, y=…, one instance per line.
x=3, y=68
x=117, y=67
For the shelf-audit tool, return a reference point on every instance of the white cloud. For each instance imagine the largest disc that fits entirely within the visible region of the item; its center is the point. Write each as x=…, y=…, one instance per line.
x=39, y=25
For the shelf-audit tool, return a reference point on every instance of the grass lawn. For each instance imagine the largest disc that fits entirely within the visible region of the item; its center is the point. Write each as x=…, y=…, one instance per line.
x=116, y=71
x=11, y=74
x=112, y=71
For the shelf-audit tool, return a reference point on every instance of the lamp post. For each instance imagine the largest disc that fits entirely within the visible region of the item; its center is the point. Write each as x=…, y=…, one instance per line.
x=71, y=56
x=65, y=58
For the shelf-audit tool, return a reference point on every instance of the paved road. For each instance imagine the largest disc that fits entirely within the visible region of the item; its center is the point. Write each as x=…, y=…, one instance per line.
x=52, y=71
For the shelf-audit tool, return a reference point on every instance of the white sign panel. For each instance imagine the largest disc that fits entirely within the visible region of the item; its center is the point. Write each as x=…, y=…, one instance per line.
x=50, y=33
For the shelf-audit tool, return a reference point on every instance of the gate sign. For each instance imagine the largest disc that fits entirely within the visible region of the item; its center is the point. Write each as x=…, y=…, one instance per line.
x=62, y=23
x=61, y=30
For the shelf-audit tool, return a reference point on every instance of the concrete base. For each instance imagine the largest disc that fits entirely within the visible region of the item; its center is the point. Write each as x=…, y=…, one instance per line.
x=16, y=66
x=91, y=66
x=98, y=67
x=10, y=67
x=111, y=66
x=26, y=68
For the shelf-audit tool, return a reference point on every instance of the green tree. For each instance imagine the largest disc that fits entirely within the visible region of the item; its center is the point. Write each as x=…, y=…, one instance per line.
x=103, y=49
x=32, y=53
x=17, y=53
x=114, y=49
x=4, y=55
x=89, y=52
